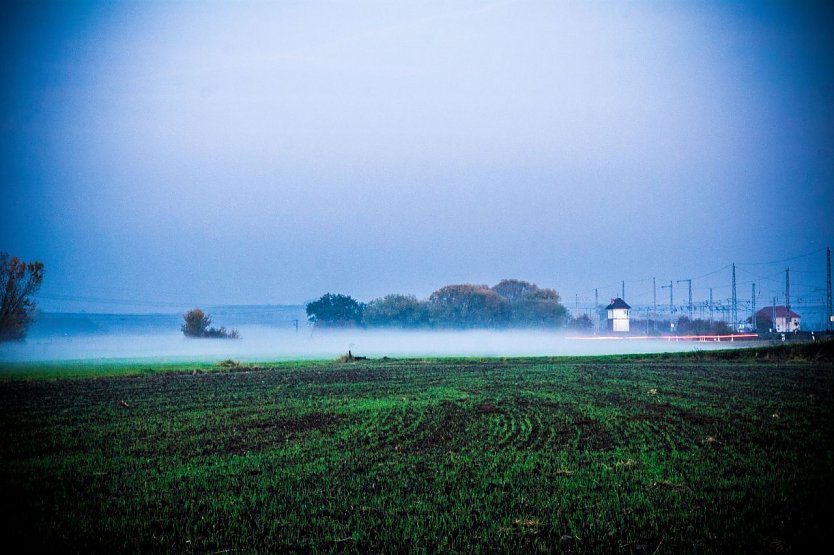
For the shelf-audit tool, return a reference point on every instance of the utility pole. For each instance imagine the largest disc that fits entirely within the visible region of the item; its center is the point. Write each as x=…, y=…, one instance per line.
x=596, y=308
x=829, y=315
x=690, y=296
x=671, y=302
x=654, y=298
x=735, y=301
x=753, y=310
x=623, y=295
x=690, y=299
x=788, y=290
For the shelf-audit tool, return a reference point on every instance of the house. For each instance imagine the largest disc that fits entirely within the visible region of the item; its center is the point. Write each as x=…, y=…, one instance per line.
x=618, y=315
x=778, y=318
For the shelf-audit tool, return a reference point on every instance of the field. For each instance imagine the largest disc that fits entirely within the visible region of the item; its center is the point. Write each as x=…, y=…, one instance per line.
x=641, y=454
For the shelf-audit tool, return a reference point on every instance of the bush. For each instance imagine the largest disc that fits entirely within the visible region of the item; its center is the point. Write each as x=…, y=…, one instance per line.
x=197, y=325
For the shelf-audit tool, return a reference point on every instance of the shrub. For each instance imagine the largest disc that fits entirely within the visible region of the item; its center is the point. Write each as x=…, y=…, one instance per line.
x=197, y=325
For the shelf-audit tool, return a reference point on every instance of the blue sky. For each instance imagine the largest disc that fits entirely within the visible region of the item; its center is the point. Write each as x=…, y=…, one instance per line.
x=268, y=152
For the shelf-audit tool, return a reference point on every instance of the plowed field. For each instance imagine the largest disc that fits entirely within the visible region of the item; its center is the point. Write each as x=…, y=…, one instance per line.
x=661, y=454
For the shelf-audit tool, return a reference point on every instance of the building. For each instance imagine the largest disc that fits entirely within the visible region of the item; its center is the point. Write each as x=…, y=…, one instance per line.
x=618, y=315
x=777, y=318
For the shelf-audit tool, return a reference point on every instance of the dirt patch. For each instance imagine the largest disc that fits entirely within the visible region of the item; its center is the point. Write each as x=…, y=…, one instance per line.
x=304, y=423
x=443, y=427
x=671, y=411
x=592, y=436
x=250, y=437
x=487, y=408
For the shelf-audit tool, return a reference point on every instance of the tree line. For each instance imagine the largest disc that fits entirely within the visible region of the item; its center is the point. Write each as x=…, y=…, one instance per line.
x=510, y=303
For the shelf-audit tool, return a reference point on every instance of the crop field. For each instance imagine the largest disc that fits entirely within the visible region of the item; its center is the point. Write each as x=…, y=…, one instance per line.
x=641, y=454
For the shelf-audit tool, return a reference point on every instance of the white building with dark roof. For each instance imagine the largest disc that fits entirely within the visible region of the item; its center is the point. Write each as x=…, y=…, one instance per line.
x=618, y=313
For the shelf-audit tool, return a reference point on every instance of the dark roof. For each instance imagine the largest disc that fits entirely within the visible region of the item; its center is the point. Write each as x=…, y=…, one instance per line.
x=776, y=312
x=617, y=303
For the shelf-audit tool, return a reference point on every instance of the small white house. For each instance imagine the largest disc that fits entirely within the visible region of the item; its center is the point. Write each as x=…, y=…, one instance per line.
x=780, y=317
x=618, y=312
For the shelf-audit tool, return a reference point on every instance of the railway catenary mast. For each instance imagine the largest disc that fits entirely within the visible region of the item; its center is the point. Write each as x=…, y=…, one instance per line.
x=671, y=303
x=710, y=308
x=654, y=298
x=734, y=305
x=829, y=314
x=689, y=306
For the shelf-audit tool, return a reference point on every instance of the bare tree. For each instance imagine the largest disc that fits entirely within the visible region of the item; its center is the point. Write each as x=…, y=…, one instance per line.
x=18, y=282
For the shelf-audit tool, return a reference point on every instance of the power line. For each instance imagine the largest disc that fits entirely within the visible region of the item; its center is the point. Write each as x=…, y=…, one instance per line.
x=784, y=259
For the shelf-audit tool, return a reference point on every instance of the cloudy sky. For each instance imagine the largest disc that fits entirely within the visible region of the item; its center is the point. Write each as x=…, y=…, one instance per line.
x=268, y=152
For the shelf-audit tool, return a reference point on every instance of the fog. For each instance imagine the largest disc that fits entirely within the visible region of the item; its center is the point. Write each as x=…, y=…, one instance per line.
x=267, y=343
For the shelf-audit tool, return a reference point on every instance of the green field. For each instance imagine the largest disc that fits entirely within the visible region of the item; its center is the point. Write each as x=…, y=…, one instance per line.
x=686, y=453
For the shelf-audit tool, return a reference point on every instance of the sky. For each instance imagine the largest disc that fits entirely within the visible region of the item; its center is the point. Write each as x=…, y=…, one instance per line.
x=163, y=154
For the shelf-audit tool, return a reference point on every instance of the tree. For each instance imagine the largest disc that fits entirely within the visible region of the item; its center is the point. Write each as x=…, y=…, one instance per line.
x=196, y=324
x=582, y=322
x=530, y=305
x=335, y=311
x=514, y=289
x=699, y=326
x=402, y=311
x=539, y=308
x=468, y=306
x=18, y=281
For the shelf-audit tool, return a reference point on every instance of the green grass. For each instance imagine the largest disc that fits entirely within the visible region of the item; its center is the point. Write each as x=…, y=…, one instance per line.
x=687, y=453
